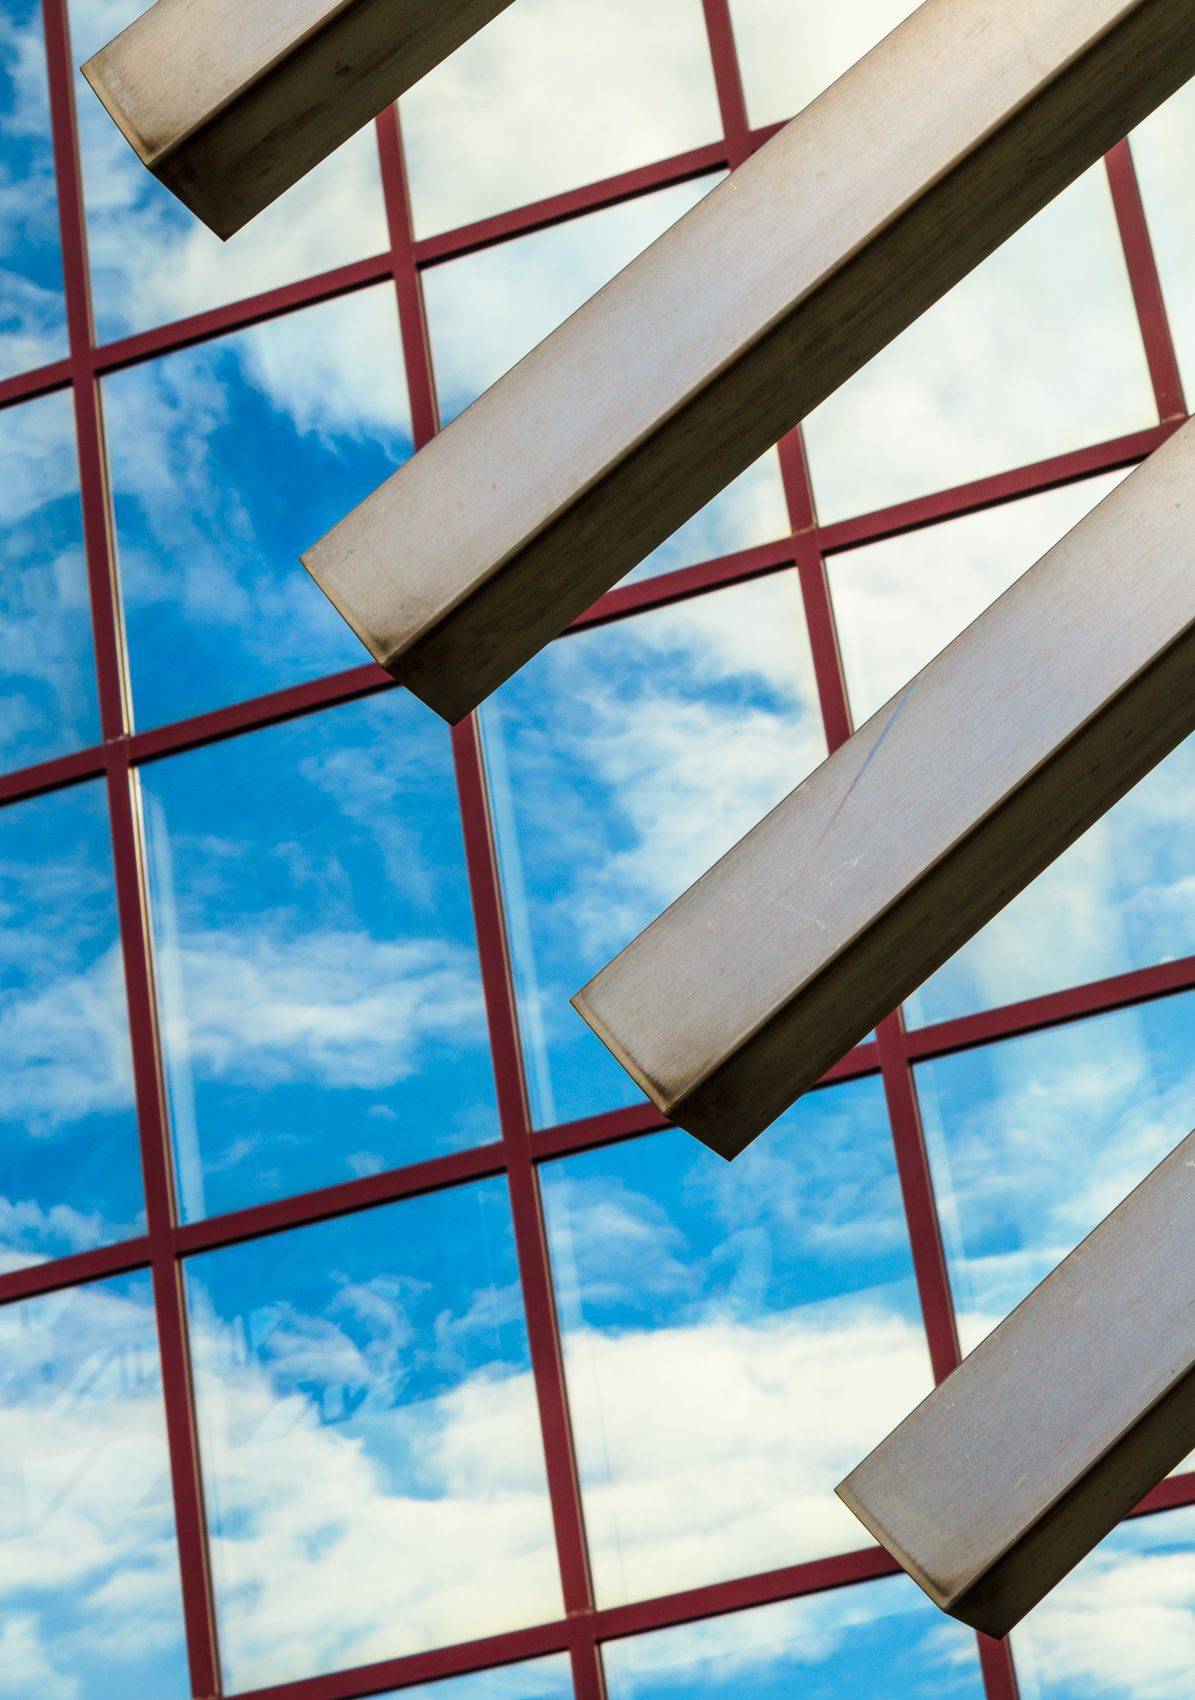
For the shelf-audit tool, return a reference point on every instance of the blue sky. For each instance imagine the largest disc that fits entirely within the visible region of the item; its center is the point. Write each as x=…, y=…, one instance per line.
x=32, y=315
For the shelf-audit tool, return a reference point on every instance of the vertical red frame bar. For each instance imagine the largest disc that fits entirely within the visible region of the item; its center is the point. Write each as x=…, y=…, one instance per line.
x=156, y=1164
x=531, y=1244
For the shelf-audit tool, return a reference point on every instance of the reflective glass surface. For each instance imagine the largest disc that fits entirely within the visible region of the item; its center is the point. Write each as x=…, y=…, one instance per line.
x=371, y=1446
x=736, y=1339
x=790, y=50
x=316, y=965
x=544, y=1679
x=1034, y=1140
x=152, y=261
x=47, y=674
x=1037, y=352
x=622, y=762
x=1162, y=150
x=1120, y=1627
x=883, y=1638
x=553, y=94
x=32, y=312
x=227, y=461
x=69, y=1169
x=89, y=1588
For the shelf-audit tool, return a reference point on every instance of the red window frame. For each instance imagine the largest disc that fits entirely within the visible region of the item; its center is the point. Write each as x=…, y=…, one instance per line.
x=520, y=1149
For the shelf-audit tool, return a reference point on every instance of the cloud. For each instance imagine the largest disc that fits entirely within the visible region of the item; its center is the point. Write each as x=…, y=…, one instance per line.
x=1162, y=154
x=788, y=54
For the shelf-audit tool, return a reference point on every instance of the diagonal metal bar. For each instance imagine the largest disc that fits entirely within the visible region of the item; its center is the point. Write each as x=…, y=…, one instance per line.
x=1053, y=1429
x=759, y=303
x=229, y=103
x=996, y=757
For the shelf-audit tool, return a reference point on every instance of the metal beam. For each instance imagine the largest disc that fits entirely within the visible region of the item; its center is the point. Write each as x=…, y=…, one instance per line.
x=751, y=310
x=1056, y=1426
x=889, y=857
x=229, y=102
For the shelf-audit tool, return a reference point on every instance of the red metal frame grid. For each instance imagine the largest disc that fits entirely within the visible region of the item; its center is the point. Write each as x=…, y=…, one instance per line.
x=521, y=1148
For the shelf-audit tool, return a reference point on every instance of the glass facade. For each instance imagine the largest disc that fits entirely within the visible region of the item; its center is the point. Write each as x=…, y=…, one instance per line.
x=361, y=1331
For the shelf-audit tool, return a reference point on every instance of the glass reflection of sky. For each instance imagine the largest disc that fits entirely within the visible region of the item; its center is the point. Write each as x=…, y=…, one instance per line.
x=1162, y=151
x=47, y=676
x=790, y=50
x=1118, y=899
x=32, y=313
x=227, y=461
x=70, y=1175
x=553, y=94
x=1034, y=1140
x=736, y=1339
x=153, y=261
x=1122, y=1626
x=89, y=1588
x=315, y=954
x=371, y=1447
x=881, y=1638
x=487, y=310
x=623, y=761
x=543, y=1679
x=1035, y=353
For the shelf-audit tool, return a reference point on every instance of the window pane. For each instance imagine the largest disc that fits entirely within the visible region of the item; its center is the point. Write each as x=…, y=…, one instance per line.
x=152, y=261
x=1122, y=1626
x=89, y=1589
x=317, y=970
x=790, y=50
x=552, y=95
x=736, y=1339
x=70, y=1176
x=32, y=314
x=47, y=675
x=545, y=1679
x=623, y=761
x=1036, y=1139
x=372, y=1454
x=882, y=1638
x=1036, y=353
x=217, y=605
x=1162, y=149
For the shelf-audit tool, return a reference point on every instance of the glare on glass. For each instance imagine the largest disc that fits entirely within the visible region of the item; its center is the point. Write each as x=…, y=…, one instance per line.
x=229, y=459
x=70, y=1176
x=488, y=309
x=89, y=1586
x=371, y=1449
x=1036, y=353
x=1034, y=1140
x=882, y=1638
x=47, y=674
x=1122, y=1626
x=622, y=761
x=153, y=262
x=1162, y=149
x=790, y=50
x=315, y=958
x=1114, y=902
x=32, y=313
x=543, y=1679
x=554, y=94
x=735, y=1338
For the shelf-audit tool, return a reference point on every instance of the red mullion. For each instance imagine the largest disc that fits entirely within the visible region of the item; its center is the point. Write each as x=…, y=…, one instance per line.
x=684, y=582
x=728, y=81
x=501, y=1011
x=95, y=1265
x=43, y=380
x=1146, y=283
x=993, y=491
x=815, y=591
x=53, y=775
x=573, y=203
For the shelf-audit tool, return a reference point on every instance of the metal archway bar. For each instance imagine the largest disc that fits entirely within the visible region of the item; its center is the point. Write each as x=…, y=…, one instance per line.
x=1057, y=1425
x=229, y=102
x=939, y=810
x=766, y=297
